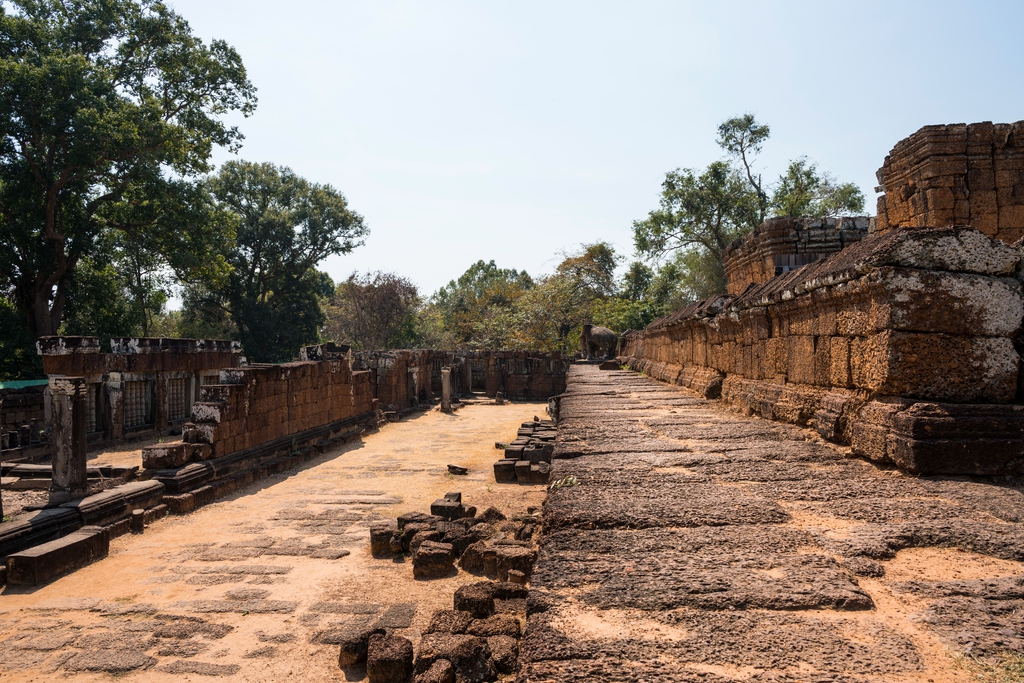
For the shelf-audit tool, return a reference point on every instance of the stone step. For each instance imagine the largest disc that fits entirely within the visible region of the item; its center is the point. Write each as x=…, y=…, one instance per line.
x=43, y=563
x=117, y=502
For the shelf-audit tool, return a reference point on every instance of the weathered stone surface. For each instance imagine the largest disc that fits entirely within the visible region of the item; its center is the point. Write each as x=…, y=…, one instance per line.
x=433, y=560
x=388, y=659
x=417, y=540
x=469, y=656
x=441, y=671
x=776, y=592
x=354, y=647
x=449, y=621
x=476, y=598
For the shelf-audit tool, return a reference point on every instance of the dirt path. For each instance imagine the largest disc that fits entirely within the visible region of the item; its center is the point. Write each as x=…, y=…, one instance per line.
x=259, y=586
x=700, y=545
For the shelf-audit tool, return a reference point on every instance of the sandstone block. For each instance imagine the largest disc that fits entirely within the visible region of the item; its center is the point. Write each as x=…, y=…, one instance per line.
x=354, y=648
x=432, y=560
x=388, y=659
x=476, y=598
x=469, y=656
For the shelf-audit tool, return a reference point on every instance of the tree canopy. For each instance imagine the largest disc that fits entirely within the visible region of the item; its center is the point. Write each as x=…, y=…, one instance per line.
x=701, y=212
x=285, y=226
x=109, y=111
x=374, y=311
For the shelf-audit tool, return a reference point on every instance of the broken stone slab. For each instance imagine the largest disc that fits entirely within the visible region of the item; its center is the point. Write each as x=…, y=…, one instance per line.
x=39, y=565
x=432, y=560
x=458, y=470
x=469, y=656
x=388, y=659
x=472, y=559
x=517, y=558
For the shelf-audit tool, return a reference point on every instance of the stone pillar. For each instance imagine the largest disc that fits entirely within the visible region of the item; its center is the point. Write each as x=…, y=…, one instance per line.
x=446, y=390
x=115, y=406
x=67, y=442
x=493, y=383
x=468, y=367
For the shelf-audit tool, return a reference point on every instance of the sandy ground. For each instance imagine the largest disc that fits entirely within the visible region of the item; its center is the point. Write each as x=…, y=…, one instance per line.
x=258, y=586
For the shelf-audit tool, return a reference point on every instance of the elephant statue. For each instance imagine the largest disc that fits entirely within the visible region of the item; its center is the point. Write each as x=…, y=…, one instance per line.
x=598, y=341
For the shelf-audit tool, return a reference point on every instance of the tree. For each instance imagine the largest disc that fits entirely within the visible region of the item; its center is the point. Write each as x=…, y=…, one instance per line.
x=742, y=138
x=477, y=309
x=806, y=191
x=554, y=312
x=374, y=311
x=285, y=227
x=700, y=214
x=109, y=109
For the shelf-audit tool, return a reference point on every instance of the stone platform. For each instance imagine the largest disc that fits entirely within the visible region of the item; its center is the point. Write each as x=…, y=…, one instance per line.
x=688, y=543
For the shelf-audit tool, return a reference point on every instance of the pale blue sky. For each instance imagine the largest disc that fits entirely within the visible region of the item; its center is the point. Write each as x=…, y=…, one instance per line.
x=513, y=131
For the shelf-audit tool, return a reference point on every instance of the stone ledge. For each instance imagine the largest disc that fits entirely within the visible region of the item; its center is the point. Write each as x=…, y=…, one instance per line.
x=45, y=562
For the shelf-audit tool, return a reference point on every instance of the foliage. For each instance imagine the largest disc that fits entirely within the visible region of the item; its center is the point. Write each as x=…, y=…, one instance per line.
x=478, y=309
x=285, y=226
x=118, y=292
x=374, y=311
x=109, y=109
x=18, y=359
x=806, y=191
x=701, y=213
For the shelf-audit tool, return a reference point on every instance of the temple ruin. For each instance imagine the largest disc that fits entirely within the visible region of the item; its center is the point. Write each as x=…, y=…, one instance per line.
x=815, y=476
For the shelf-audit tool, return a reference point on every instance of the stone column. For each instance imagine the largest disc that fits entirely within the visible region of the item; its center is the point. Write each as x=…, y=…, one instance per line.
x=67, y=442
x=446, y=390
x=115, y=406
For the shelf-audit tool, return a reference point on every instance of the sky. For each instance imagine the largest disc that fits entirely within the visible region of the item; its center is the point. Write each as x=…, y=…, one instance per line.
x=518, y=131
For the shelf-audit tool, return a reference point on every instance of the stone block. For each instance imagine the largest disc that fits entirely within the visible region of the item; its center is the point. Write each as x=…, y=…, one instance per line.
x=354, y=648
x=446, y=509
x=476, y=598
x=48, y=561
x=162, y=456
x=522, y=470
x=380, y=538
x=388, y=659
x=469, y=656
x=449, y=621
x=517, y=558
x=505, y=471
x=432, y=560
x=112, y=504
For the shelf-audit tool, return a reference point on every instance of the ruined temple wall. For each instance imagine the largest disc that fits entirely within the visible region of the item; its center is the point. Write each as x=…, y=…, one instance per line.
x=956, y=174
x=259, y=404
x=784, y=244
x=401, y=378
x=914, y=316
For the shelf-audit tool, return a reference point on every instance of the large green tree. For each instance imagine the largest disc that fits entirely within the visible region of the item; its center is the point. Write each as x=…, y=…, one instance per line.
x=109, y=110
x=285, y=226
x=478, y=310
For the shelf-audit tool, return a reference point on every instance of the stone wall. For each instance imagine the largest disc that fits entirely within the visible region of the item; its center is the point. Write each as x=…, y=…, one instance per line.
x=259, y=404
x=401, y=379
x=146, y=386
x=900, y=345
x=956, y=174
x=22, y=416
x=780, y=245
